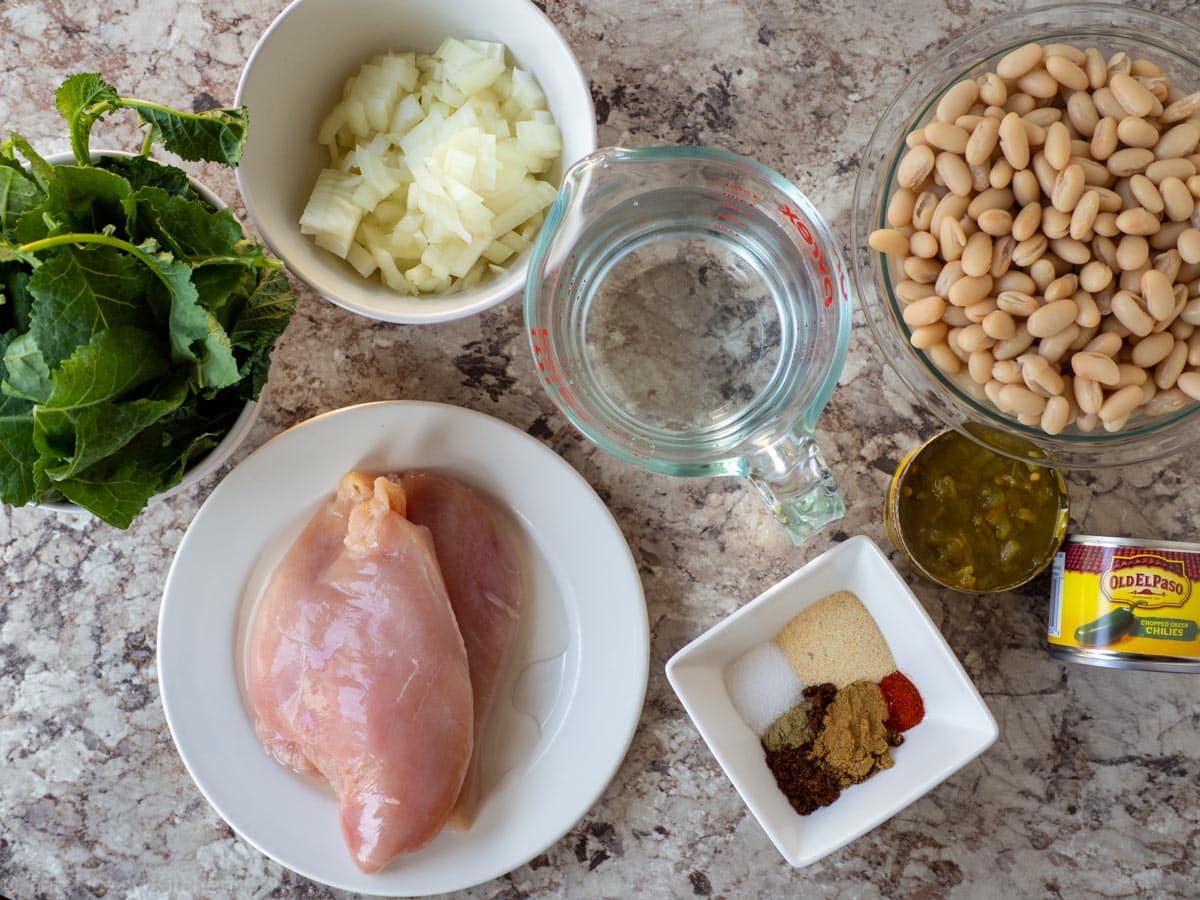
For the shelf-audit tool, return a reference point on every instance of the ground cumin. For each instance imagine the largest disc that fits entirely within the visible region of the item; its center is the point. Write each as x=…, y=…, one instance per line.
x=854, y=739
x=851, y=743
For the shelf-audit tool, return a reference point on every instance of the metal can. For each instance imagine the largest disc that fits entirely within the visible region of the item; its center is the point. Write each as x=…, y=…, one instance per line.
x=974, y=520
x=1126, y=604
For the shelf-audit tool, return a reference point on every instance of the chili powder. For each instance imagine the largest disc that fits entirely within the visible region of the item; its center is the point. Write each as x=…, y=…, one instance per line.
x=819, y=696
x=807, y=782
x=904, y=703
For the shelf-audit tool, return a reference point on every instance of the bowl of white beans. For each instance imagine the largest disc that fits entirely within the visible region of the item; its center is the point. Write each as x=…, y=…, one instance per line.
x=1026, y=234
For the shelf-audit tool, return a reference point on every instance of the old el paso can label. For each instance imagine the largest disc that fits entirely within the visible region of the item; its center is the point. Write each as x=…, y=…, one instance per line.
x=1113, y=598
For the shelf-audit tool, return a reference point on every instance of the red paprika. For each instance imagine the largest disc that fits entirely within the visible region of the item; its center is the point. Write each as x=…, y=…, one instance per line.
x=904, y=703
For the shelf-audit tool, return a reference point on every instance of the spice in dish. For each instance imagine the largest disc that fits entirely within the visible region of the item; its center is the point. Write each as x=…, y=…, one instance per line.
x=792, y=729
x=762, y=686
x=836, y=640
x=905, y=708
x=854, y=740
x=835, y=739
x=807, y=782
x=837, y=731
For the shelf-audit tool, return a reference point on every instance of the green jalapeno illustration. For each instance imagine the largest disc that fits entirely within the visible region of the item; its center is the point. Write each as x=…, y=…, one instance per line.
x=1108, y=629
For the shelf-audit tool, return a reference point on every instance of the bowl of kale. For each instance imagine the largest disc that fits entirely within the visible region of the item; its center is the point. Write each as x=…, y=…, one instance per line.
x=137, y=321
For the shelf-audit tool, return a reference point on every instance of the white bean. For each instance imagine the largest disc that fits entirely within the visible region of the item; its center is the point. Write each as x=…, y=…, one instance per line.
x=1167, y=372
x=924, y=312
x=1088, y=394
x=1018, y=399
x=1056, y=346
x=979, y=366
x=1130, y=314
x=1189, y=383
x=1096, y=367
x=1152, y=350
x=1055, y=415
x=1120, y=404
x=1052, y=318
x=1000, y=325
x=945, y=359
x=1167, y=401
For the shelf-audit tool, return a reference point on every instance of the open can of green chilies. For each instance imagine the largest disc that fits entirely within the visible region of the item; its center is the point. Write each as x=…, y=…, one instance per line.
x=974, y=520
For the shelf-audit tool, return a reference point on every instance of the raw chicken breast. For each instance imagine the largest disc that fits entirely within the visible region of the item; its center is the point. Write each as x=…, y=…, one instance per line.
x=356, y=669
x=483, y=577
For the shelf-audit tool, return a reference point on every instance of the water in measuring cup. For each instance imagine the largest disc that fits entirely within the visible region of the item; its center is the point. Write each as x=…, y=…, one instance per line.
x=688, y=319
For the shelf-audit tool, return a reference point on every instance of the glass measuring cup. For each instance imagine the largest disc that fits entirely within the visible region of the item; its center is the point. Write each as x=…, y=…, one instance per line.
x=688, y=312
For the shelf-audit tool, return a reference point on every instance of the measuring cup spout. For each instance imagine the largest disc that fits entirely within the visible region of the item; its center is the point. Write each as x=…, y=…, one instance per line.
x=793, y=479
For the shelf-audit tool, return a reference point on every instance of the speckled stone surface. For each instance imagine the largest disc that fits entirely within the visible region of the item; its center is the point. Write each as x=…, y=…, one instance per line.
x=1094, y=785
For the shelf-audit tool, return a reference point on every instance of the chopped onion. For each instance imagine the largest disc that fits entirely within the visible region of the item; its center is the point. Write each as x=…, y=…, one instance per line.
x=434, y=164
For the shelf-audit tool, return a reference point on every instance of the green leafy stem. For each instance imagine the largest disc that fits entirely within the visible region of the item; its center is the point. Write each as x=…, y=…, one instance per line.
x=108, y=240
x=217, y=135
x=89, y=115
x=137, y=252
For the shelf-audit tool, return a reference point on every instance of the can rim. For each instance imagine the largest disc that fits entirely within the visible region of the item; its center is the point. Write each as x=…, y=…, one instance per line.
x=1147, y=544
x=1110, y=659
x=891, y=518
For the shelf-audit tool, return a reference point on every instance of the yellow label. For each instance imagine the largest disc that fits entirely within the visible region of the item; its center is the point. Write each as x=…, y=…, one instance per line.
x=1146, y=579
x=1125, y=600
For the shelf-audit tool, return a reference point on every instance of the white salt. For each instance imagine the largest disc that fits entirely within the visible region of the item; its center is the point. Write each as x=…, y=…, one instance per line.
x=762, y=686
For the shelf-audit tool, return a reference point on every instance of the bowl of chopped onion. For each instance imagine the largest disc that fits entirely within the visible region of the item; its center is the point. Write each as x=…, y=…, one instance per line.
x=404, y=154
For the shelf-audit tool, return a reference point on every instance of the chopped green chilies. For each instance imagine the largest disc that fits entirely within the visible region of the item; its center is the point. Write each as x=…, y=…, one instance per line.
x=976, y=520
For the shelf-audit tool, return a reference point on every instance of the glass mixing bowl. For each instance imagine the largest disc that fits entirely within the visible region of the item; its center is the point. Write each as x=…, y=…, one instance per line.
x=956, y=400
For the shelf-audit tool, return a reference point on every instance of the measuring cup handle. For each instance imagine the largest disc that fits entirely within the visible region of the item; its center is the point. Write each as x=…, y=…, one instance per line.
x=792, y=477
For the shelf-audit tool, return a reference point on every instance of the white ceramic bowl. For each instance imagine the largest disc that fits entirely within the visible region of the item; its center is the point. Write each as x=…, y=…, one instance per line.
x=957, y=726
x=295, y=76
x=220, y=454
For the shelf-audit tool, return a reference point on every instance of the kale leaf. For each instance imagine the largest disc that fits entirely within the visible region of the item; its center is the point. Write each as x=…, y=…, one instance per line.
x=18, y=194
x=214, y=135
x=135, y=320
x=217, y=135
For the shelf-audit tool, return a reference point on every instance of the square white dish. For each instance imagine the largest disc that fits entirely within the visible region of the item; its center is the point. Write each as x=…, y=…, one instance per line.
x=957, y=726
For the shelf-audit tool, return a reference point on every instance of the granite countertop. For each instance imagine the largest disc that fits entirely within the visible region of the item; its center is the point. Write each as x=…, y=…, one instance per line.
x=1094, y=784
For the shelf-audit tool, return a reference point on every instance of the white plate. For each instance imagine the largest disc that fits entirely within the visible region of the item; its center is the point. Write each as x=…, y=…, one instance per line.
x=569, y=703
x=957, y=726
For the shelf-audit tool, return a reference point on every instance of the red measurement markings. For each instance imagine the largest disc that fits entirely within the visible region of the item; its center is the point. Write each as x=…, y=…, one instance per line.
x=635, y=446
x=822, y=266
x=550, y=375
x=541, y=354
x=735, y=199
x=837, y=263
x=732, y=214
x=741, y=190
